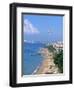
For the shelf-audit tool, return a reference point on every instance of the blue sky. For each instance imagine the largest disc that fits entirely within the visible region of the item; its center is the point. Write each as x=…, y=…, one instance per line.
x=43, y=28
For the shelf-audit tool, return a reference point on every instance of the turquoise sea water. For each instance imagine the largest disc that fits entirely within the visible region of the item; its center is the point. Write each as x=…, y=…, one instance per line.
x=31, y=58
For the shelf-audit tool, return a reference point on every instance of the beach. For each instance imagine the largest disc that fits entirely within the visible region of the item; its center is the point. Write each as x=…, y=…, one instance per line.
x=47, y=66
x=38, y=60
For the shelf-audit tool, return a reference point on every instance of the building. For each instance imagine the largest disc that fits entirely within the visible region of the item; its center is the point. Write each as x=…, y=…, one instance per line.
x=58, y=46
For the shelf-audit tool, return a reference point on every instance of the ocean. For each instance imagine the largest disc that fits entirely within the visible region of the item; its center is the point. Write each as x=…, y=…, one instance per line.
x=31, y=58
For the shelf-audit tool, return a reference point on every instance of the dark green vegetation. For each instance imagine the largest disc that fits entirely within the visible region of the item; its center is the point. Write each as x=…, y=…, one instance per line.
x=51, y=48
x=58, y=57
x=58, y=60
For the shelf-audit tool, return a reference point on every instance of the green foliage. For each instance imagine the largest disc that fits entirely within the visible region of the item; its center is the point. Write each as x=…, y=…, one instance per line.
x=51, y=48
x=58, y=60
x=58, y=57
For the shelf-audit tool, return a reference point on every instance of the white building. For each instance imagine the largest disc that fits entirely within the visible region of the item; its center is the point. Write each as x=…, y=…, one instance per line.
x=58, y=46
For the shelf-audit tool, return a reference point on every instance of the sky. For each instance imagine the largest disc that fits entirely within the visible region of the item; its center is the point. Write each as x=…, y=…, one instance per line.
x=42, y=28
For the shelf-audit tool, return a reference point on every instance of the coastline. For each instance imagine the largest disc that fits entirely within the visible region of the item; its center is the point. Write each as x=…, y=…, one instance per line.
x=47, y=66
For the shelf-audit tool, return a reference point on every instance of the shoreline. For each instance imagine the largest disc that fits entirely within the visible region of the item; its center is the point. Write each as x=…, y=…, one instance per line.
x=47, y=66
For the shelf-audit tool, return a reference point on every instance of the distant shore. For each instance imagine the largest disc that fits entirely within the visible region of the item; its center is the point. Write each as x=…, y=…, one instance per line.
x=47, y=66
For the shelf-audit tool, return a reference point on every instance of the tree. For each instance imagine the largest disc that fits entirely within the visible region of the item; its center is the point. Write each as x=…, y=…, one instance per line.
x=58, y=60
x=51, y=48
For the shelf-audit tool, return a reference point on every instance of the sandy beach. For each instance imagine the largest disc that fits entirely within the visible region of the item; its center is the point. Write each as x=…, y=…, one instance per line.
x=47, y=66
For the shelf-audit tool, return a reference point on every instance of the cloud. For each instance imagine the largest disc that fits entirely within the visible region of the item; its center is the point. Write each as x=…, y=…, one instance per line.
x=29, y=28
